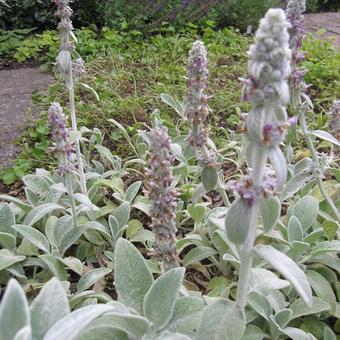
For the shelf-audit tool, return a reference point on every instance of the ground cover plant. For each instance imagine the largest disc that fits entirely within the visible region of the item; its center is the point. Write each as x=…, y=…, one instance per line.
x=184, y=232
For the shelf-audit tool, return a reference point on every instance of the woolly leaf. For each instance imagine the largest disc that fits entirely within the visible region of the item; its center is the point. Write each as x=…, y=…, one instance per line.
x=270, y=213
x=48, y=307
x=39, y=212
x=91, y=277
x=14, y=313
x=209, y=178
x=238, y=220
x=7, y=219
x=159, y=302
x=221, y=321
x=288, y=268
x=72, y=324
x=34, y=236
x=133, y=277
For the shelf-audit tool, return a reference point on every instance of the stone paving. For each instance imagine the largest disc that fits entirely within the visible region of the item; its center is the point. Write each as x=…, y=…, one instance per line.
x=330, y=22
x=16, y=87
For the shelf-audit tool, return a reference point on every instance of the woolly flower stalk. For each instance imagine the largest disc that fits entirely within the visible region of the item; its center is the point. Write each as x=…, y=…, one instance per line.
x=334, y=125
x=70, y=71
x=159, y=188
x=294, y=11
x=266, y=87
x=197, y=102
x=60, y=135
x=64, y=149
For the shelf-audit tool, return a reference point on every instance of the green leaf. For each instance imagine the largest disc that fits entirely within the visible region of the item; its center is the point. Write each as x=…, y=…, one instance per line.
x=253, y=333
x=134, y=325
x=71, y=236
x=122, y=214
x=7, y=240
x=306, y=210
x=330, y=228
x=295, y=232
x=322, y=288
x=102, y=332
x=34, y=236
x=222, y=321
x=159, y=301
x=55, y=266
x=238, y=220
x=25, y=207
x=37, y=184
x=278, y=161
x=7, y=259
x=288, y=268
x=294, y=185
x=74, y=264
x=172, y=336
x=14, y=313
x=132, y=191
x=326, y=247
x=91, y=277
x=270, y=213
x=133, y=277
x=328, y=334
x=7, y=219
x=72, y=324
x=175, y=104
x=300, y=308
x=283, y=317
x=48, y=307
x=196, y=212
x=209, y=178
x=259, y=303
x=198, y=254
x=24, y=334
x=326, y=136
x=39, y=212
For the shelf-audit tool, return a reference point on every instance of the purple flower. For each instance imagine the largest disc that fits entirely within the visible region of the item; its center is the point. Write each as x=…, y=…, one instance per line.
x=159, y=188
x=60, y=135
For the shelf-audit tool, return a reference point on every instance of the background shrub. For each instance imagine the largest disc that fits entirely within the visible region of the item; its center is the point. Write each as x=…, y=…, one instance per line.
x=146, y=15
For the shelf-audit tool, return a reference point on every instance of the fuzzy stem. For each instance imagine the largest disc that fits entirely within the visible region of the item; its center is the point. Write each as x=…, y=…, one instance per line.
x=69, y=187
x=75, y=128
x=246, y=255
x=246, y=258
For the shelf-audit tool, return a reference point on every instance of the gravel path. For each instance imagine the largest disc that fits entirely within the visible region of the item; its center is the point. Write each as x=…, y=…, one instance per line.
x=16, y=87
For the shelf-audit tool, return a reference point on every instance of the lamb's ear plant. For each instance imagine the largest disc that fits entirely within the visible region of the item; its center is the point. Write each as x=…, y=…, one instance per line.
x=71, y=71
x=150, y=309
x=196, y=114
x=266, y=87
x=47, y=317
x=300, y=101
x=160, y=189
x=64, y=150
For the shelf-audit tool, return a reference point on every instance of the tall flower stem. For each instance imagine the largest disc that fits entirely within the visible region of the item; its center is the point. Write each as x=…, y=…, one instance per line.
x=64, y=150
x=297, y=106
x=266, y=87
x=294, y=11
x=66, y=65
x=81, y=173
x=68, y=183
